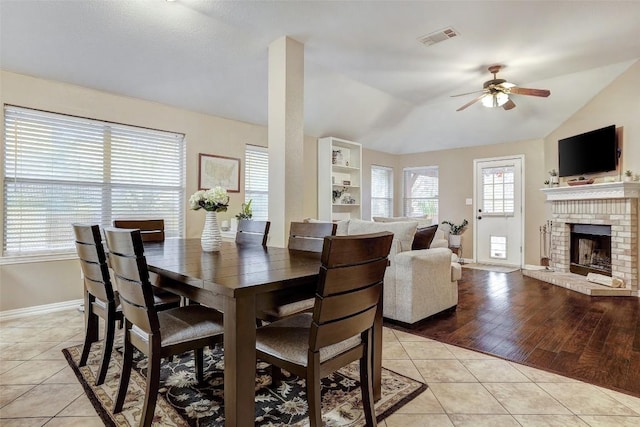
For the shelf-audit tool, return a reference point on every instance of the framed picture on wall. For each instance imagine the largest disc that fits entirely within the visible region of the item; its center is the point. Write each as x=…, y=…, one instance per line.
x=218, y=170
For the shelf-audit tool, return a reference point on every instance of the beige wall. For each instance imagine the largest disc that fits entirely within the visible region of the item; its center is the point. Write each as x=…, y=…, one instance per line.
x=455, y=169
x=619, y=104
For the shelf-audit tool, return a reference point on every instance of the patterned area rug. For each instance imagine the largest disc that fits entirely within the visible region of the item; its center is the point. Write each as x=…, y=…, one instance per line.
x=182, y=402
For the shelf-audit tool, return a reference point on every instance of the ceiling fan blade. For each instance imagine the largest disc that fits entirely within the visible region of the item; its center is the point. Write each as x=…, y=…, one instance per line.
x=532, y=92
x=509, y=105
x=468, y=93
x=473, y=101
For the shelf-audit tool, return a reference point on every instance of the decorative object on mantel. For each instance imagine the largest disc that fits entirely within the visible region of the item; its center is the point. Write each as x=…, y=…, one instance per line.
x=455, y=232
x=628, y=175
x=553, y=177
x=245, y=211
x=580, y=181
x=213, y=201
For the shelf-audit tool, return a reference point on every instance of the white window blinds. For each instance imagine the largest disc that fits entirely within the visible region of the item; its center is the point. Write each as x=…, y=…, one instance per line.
x=256, y=181
x=381, y=191
x=61, y=169
x=421, y=192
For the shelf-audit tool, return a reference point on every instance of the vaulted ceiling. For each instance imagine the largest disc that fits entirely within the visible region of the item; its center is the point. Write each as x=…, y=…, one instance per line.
x=367, y=78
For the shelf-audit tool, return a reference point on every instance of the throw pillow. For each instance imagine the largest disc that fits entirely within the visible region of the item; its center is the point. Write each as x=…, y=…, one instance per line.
x=402, y=231
x=423, y=237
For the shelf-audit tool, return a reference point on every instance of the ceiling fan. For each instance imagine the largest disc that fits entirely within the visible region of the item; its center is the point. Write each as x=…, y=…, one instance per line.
x=495, y=92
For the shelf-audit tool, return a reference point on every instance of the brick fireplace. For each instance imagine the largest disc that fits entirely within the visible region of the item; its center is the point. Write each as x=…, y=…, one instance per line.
x=595, y=207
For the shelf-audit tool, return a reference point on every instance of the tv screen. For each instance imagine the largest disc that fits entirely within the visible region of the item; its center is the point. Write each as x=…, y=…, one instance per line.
x=590, y=152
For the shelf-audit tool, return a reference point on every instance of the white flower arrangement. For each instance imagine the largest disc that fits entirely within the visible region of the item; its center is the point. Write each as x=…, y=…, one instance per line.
x=213, y=200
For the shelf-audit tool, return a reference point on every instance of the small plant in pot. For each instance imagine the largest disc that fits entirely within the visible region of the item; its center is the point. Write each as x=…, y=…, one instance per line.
x=455, y=232
x=245, y=212
x=553, y=177
x=628, y=175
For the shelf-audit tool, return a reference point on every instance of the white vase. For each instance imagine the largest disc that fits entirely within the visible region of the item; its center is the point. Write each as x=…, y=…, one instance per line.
x=455, y=240
x=211, y=239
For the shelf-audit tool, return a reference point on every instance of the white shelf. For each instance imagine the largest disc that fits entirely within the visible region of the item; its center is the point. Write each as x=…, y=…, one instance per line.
x=331, y=175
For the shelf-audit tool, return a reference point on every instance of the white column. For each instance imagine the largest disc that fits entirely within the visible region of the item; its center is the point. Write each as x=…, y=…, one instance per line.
x=286, y=137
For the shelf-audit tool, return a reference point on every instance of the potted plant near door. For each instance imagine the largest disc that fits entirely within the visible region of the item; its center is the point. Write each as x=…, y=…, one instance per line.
x=455, y=232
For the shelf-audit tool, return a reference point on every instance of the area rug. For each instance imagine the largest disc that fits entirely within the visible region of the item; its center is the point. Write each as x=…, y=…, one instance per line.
x=182, y=402
x=488, y=267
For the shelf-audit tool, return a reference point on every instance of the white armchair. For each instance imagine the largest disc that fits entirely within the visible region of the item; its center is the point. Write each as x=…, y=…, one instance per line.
x=417, y=283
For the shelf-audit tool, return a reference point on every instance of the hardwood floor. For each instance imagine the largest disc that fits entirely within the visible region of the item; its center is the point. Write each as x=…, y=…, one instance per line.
x=593, y=339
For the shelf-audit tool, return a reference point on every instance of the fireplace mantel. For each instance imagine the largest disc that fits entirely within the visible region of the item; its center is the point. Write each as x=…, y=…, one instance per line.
x=605, y=190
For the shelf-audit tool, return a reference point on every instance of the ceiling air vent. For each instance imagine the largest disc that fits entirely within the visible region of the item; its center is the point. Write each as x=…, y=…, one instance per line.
x=438, y=36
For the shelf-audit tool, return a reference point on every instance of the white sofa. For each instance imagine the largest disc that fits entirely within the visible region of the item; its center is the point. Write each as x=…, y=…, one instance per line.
x=417, y=283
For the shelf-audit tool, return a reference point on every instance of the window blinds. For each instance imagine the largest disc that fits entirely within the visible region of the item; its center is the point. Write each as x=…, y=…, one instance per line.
x=381, y=191
x=421, y=192
x=61, y=169
x=256, y=181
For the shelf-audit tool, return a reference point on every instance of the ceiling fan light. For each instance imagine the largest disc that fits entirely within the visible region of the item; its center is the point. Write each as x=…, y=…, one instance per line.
x=495, y=100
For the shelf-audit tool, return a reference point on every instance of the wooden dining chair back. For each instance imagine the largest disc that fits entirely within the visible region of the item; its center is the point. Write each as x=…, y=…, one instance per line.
x=151, y=230
x=253, y=232
x=340, y=329
x=303, y=236
x=158, y=334
x=308, y=236
x=101, y=300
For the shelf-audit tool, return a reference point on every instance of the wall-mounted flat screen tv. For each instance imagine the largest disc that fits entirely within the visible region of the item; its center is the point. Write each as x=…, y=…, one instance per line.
x=588, y=153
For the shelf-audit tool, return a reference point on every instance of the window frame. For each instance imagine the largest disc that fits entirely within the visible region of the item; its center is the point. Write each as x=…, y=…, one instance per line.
x=389, y=200
x=406, y=198
x=253, y=193
x=112, y=142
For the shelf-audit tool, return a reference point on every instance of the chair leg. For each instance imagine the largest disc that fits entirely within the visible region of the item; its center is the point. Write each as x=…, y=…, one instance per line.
x=107, y=346
x=153, y=385
x=366, y=378
x=91, y=334
x=366, y=385
x=199, y=362
x=127, y=364
x=313, y=392
x=276, y=375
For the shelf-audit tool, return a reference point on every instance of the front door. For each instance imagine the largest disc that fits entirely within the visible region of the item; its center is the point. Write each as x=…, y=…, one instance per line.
x=498, y=221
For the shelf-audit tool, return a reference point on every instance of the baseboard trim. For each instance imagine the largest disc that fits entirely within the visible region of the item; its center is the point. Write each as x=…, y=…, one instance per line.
x=40, y=309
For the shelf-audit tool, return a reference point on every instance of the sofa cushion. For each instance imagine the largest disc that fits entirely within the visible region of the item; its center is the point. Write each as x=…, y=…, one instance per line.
x=422, y=221
x=403, y=232
x=423, y=237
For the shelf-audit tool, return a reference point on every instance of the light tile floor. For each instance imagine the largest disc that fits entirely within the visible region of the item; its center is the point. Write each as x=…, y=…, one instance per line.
x=466, y=388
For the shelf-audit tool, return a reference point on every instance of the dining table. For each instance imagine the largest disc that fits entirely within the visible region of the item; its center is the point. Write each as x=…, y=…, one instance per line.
x=239, y=280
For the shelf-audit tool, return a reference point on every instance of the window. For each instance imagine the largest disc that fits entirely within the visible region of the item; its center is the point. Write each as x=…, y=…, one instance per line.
x=256, y=181
x=421, y=192
x=498, y=191
x=61, y=169
x=381, y=191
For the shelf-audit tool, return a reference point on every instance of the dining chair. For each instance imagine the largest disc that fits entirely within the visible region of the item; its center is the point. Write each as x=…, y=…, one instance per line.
x=308, y=236
x=339, y=331
x=303, y=236
x=101, y=298
x=157, y=334
x=152, y=230
x=253, y=232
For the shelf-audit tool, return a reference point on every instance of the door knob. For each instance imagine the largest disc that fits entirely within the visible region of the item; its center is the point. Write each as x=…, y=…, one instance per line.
x=479, y=217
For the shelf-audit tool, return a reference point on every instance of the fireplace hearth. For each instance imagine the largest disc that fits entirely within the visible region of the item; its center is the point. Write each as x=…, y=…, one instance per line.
x=595, y=229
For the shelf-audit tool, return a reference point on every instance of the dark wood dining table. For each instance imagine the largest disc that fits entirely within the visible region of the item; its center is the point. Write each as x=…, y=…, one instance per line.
x=239, y=280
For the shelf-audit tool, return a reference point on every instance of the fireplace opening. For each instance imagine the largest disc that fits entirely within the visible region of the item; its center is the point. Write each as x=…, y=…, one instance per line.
x=590, y=249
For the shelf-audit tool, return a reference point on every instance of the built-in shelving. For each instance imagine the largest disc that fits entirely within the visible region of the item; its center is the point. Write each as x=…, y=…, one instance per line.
x=339, y=174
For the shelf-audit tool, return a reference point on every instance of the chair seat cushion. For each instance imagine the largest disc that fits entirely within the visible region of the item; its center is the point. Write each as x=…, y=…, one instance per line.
x=289, y=309
x=189, y=323
x=288, y=339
